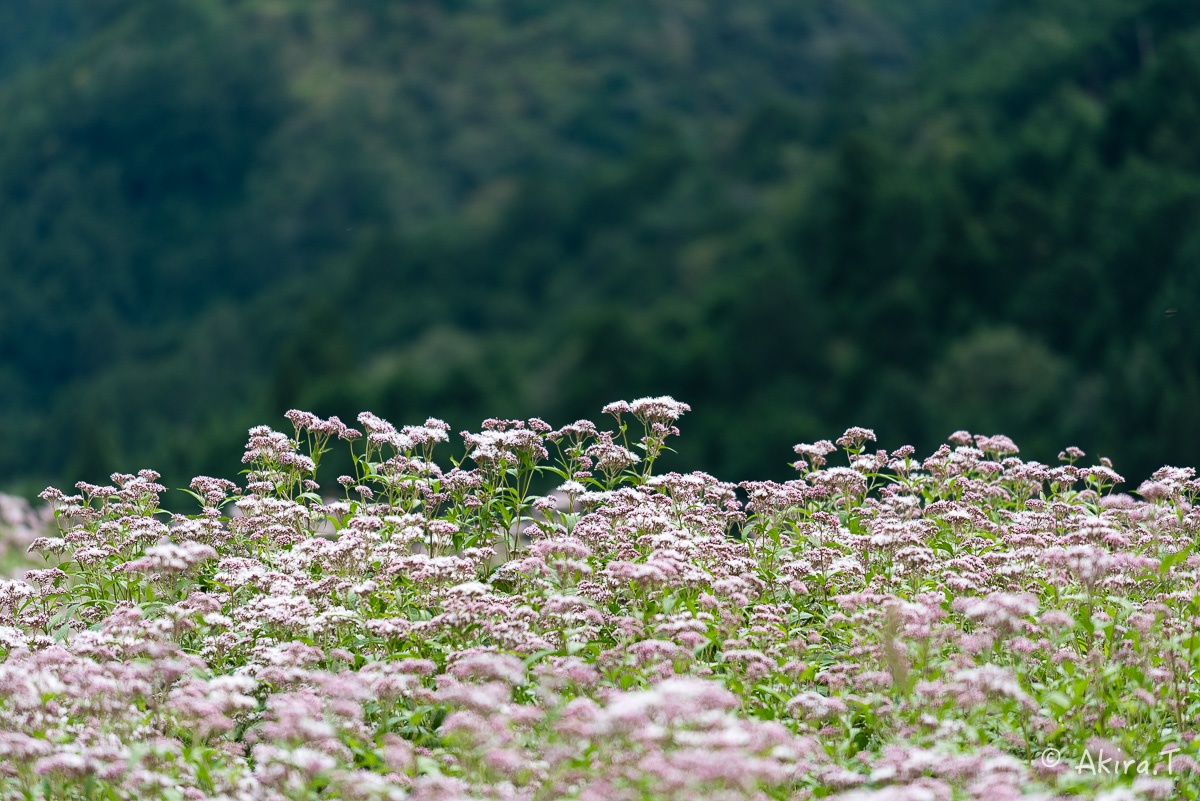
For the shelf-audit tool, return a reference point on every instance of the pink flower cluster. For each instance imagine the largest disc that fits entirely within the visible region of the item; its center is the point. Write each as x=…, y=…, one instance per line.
x=884, y=628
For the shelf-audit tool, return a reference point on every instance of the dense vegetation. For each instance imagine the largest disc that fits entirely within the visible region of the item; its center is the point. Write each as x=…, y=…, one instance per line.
x=924, y=216
x=967, y=627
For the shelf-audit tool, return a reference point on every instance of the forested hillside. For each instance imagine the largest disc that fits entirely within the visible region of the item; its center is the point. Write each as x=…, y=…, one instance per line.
x=794, y=216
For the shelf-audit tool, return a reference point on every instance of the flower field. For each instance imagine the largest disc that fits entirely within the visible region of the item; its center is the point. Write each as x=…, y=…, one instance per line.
x=547, y=614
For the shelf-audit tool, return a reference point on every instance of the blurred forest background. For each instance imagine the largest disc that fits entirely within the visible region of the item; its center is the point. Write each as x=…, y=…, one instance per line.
x=795, y=215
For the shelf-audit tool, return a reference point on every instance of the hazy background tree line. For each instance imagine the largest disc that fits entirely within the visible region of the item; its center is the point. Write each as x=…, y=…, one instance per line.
x=796, y=216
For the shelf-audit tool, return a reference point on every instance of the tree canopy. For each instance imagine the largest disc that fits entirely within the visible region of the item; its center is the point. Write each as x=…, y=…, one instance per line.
x=796, y=217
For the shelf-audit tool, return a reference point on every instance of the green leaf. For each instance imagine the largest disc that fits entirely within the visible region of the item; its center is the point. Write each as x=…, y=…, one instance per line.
x=428, y=766
x=1058, y=702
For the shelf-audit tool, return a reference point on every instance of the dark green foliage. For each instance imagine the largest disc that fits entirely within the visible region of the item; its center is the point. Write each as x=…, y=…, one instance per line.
x=34, y=31
x=796, y=217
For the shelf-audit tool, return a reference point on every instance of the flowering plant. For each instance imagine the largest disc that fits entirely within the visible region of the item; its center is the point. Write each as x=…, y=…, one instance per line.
x=887, y=628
